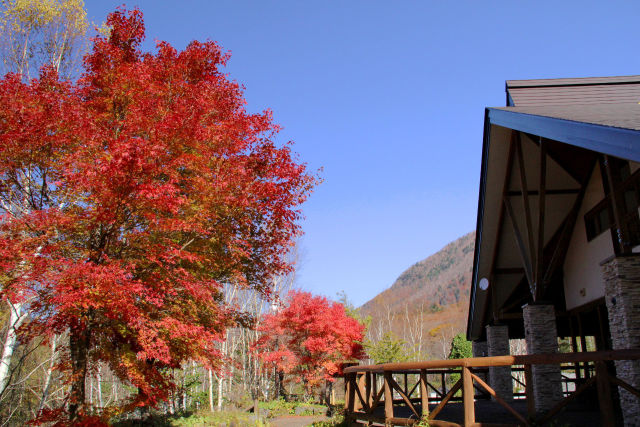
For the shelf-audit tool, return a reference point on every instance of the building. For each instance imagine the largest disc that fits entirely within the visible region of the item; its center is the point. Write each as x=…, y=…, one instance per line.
x=558, y=232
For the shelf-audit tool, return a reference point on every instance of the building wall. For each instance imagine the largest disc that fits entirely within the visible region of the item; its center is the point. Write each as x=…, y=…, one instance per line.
x=583, y=279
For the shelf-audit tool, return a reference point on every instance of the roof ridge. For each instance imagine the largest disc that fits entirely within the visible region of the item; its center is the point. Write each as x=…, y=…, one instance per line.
x=577, y=81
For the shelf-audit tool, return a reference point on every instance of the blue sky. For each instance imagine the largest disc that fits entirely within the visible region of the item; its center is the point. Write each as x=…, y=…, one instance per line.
x=388, y=97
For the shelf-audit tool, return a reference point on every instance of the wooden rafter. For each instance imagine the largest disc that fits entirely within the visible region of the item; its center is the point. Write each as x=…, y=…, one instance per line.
x=616, y=203
x=542, y=187
x=556, y=192
x=505, y=190
x=526, y=206
x=526, y=262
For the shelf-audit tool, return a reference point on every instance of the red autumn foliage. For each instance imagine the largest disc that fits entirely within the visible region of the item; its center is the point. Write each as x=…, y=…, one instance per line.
x=130, y=197
x=310, y=338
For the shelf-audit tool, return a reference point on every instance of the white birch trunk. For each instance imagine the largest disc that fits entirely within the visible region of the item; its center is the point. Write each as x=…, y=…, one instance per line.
x=47, y=380
x=220, y=389
x=211, y=407
x=16, y=319
x=99, y=381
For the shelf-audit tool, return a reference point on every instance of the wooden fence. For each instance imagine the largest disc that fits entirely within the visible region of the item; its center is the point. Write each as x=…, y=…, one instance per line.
x=370, y=401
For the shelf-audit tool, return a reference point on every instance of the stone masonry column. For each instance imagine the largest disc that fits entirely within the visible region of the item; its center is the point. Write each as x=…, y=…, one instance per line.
x=622, y=295
x=541, y=335
x=479, y=349
x=499, y=376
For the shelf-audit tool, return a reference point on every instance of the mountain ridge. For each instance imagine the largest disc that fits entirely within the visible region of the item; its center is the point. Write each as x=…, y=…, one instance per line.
x=429, y=300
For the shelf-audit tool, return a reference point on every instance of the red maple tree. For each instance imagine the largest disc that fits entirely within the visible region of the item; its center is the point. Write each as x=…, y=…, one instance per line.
x=130, y=197
x=310, y=338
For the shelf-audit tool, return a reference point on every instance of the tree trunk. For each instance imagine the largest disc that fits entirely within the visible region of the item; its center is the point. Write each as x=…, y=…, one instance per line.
x=99, y=381
x=211, y=407
x=220, y=384
x=47, y=380
x=79, y=349
x=16, y=319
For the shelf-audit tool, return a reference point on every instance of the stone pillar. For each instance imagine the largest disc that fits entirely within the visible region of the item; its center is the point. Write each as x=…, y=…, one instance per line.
x=499, y=376
x=479, y=348
x=622, y=295
x=541, y=335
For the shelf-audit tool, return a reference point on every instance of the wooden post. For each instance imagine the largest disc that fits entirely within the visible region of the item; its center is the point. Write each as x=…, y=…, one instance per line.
x=467, y=398
x=358, y=382
x=388, y=397
x=367, y=388
x=346, y=391
x=350, y=397
x=424, y=393
x=406, y=383
x=374, y=387
x=604, y=394
x=528, y=390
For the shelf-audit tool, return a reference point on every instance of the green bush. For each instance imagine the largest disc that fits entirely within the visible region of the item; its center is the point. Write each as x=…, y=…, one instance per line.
x=217, y=418
x=280, y=407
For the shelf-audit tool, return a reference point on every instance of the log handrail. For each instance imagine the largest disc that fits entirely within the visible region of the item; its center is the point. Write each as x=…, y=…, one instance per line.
x=481, y=362
x=469, y=381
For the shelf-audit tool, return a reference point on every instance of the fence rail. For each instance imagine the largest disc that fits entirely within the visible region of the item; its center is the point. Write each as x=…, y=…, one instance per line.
x=366, y=394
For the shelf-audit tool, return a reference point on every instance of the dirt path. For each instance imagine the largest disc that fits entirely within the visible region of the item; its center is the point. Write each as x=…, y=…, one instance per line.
x=294, y=421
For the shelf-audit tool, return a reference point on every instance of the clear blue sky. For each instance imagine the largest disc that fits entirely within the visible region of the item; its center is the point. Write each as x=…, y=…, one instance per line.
x=388, y=97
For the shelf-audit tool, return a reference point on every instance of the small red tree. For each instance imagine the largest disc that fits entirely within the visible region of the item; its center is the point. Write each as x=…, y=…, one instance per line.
x=310, y=338
x=149, y=186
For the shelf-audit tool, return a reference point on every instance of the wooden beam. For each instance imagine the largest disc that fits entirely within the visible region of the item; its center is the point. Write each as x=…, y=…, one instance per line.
x=509, y=270
x=498, y=399
x=424, y=394
x=404, y=396
x=542, y=187
x=362, y=402
x=350, y=395
x=445, y=400
x=528, y=390
x=526, y=262
x=626, y=386
x=468, y=397
x=564, y=402
x=607, y=418
x=558, y=192
x=525, y=203
x=375, y=402
x=388, y=396
x=367, y=388
x=616, y=203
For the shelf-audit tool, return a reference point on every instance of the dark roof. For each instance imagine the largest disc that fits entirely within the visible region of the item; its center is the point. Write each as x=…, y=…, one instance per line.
x=574, y=92
x=597, y=113
x=624, y=115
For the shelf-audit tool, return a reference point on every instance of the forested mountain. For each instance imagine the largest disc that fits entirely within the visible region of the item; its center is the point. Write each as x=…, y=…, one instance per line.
x=427, y=304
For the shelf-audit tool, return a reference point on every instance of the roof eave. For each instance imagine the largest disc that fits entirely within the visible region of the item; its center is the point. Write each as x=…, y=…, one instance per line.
x=615, y=141
x=480, y=215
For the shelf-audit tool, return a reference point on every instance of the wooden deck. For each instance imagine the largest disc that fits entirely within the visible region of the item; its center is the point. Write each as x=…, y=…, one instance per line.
x=375, y=396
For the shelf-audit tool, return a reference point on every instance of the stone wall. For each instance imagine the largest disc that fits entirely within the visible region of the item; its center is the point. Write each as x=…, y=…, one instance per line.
x=542, y=337
x=622, y=295
x=499, y=376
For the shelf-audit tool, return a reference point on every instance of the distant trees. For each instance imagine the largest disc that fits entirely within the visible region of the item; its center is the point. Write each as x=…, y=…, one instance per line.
x=309, y=338
x=34, y=33
x=388, y=349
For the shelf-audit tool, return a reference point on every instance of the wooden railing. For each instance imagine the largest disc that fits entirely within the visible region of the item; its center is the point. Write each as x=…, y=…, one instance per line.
x=366, y=395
